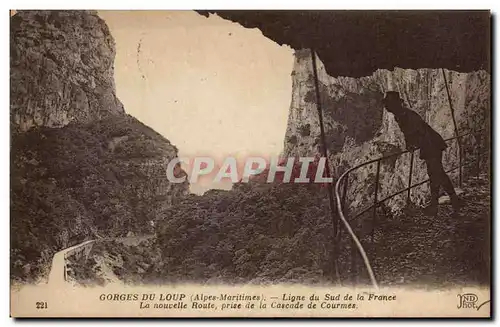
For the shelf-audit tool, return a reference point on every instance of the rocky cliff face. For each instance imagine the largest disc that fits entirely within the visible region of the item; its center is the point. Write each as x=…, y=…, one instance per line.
x=62, y=60
x=80, y=167
x=359, y=129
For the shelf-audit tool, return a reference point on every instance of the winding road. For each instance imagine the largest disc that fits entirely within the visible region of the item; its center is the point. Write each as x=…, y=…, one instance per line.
x=57, y=271
x=57, y=275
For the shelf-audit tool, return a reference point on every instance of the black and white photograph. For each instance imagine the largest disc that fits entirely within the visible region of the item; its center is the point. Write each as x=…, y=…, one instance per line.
x=250, y=163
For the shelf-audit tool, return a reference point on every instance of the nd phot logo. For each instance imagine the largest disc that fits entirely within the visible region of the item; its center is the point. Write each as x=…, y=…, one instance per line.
x=469, y=301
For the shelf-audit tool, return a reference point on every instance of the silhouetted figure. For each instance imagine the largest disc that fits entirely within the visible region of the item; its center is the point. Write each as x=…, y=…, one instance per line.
x=418, y=134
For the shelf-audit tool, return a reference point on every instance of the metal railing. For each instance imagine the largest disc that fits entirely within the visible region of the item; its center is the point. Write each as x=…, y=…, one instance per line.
x=342, y=184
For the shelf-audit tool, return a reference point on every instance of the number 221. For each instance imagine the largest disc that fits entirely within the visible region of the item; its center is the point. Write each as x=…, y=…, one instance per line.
x=41, y=305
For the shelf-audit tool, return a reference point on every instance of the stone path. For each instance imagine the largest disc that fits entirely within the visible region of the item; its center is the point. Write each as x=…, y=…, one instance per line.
x=443, y=251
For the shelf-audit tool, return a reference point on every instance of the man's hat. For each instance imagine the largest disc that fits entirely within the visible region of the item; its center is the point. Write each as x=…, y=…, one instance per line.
x=391, y=96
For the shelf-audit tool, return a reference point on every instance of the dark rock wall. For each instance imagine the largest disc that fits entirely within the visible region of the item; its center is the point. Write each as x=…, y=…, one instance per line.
x=62, y=60
x=358, y=128
x=80, y=167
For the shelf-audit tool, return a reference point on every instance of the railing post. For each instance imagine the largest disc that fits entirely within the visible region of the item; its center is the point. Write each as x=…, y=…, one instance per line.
x=408, y=198
x=324, y=151
x=344, y=194
x=356, y=246
x=459, y=162
x=455, y=127
x=375, y=200
x=478, y=153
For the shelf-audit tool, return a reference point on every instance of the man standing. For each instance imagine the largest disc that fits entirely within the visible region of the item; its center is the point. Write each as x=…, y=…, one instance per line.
x=418, y=134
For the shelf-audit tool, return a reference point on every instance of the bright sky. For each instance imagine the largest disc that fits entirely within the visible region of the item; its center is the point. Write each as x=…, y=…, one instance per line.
x=208, y=85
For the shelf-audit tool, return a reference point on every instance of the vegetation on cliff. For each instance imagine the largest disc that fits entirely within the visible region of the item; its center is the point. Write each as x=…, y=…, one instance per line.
x=280, y=234
x=83, y=181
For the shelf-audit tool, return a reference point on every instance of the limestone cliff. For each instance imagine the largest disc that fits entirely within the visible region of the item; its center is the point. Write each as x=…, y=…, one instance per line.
x=358, y=128
x=80, y=167
x=62, y=60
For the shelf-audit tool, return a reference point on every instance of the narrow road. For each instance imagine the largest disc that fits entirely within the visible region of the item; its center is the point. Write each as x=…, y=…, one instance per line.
x=56, y=275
